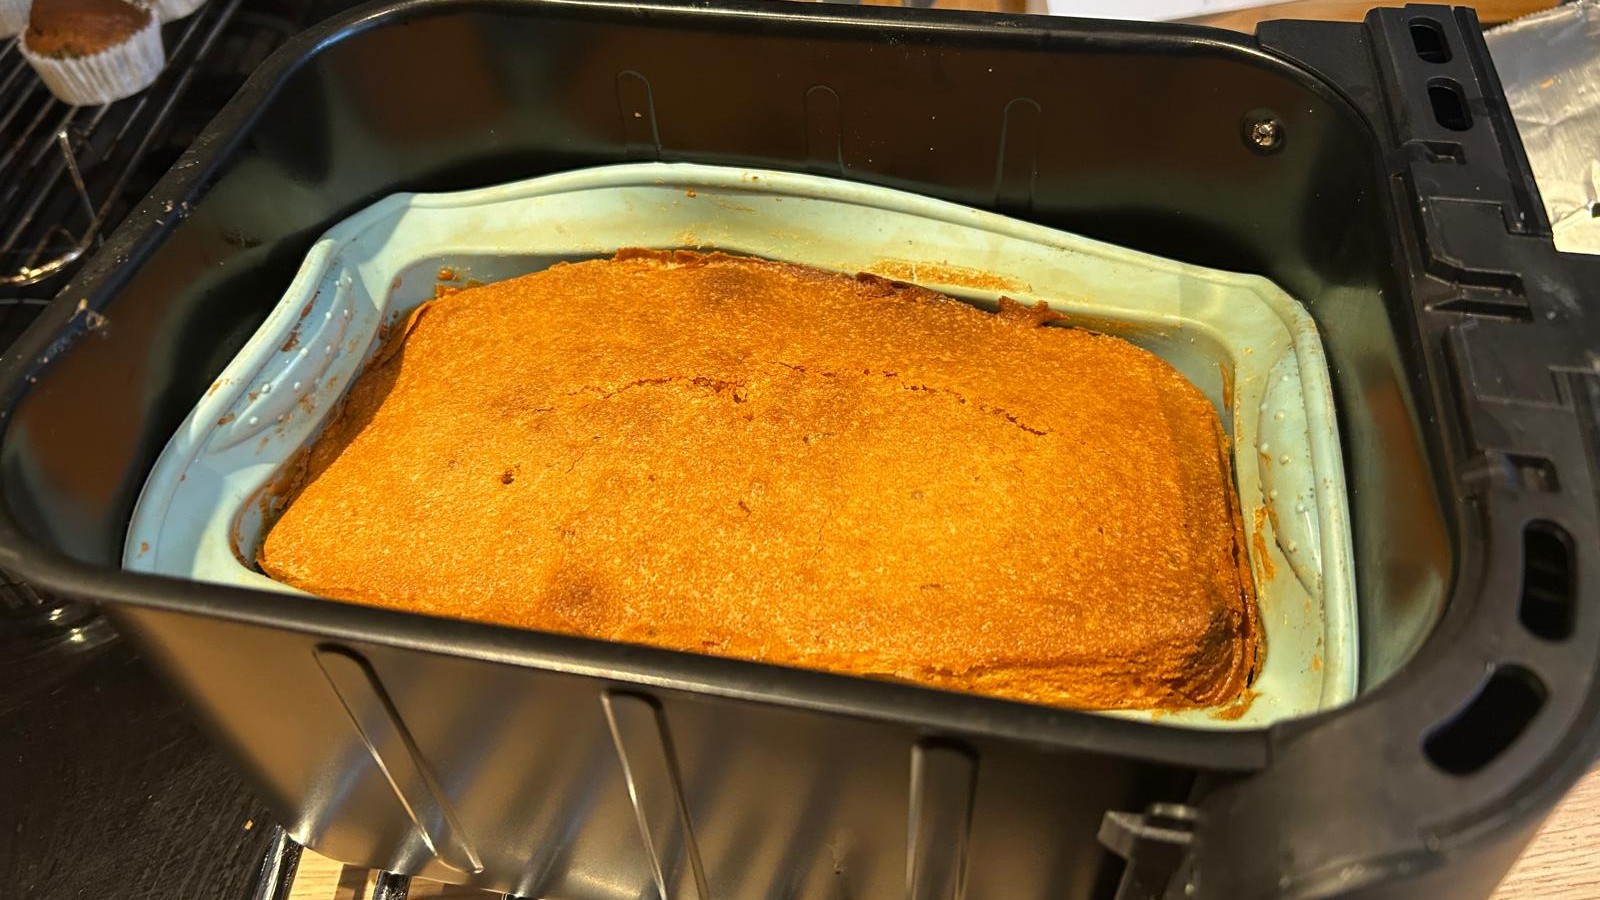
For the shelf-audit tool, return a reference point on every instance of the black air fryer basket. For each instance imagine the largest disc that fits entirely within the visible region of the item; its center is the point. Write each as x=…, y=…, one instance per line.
x=1371, y=170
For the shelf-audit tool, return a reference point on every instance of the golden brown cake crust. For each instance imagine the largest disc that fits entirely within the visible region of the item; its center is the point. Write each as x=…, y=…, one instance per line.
x=770, y=462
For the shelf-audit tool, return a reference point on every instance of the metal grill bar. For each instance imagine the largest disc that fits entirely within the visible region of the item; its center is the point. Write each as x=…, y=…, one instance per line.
x=15, y=67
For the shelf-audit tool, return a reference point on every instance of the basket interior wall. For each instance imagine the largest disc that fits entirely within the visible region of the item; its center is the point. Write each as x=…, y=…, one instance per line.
x=1075, y=127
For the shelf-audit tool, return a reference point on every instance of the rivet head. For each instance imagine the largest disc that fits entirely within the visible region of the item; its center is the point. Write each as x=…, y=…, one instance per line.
x=1264, y=133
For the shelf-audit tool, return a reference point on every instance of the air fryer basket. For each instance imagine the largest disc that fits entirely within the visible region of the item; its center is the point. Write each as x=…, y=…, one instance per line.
x=1384, y=187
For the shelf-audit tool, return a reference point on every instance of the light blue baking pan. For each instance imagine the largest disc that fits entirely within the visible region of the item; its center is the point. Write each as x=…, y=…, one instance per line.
x=1247, y=345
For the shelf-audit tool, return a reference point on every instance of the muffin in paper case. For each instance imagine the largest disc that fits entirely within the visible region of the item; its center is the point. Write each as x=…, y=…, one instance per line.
x=121, y=69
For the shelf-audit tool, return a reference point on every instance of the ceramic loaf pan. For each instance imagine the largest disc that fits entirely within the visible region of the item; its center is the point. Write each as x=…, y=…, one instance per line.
x=1248, y=346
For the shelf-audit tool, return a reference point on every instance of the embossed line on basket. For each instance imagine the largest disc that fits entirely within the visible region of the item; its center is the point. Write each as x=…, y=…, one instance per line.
x=395, y=751
x=944, y=783
x=655, y=787
x=637, y=109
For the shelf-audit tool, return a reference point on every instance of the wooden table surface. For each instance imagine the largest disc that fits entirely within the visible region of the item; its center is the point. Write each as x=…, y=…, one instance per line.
x=1563, y=861
x=1490, y=12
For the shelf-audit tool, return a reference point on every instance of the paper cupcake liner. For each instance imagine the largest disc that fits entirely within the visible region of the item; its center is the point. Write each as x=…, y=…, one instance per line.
x=113, y=73
x=169, y=10
x=14, y=16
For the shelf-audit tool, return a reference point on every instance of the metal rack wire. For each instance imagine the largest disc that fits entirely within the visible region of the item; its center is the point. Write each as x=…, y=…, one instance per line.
x=63, y=168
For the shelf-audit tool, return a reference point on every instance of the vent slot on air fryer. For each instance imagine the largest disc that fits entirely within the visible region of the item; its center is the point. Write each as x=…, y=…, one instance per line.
x=1547, y=581
x=1428, y=38
x=1489, y=724
x=1449, y=104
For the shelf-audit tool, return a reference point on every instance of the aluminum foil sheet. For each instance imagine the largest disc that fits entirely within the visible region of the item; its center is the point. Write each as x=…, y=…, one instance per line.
x=1549, y=64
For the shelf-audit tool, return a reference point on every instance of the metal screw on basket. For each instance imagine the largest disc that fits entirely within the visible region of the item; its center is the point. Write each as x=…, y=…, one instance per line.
x=1265, y=134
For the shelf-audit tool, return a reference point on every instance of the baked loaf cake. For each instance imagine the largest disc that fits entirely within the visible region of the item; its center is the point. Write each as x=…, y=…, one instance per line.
x=771, y=462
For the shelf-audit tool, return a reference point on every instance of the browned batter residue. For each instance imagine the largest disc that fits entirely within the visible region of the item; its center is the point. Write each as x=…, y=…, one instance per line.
x=769, y=462
x=958, y=276
x=1235, y=710
x=1258, y=542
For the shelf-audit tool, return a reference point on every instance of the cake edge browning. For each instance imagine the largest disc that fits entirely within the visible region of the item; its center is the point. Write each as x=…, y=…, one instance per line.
x=1218, y=678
